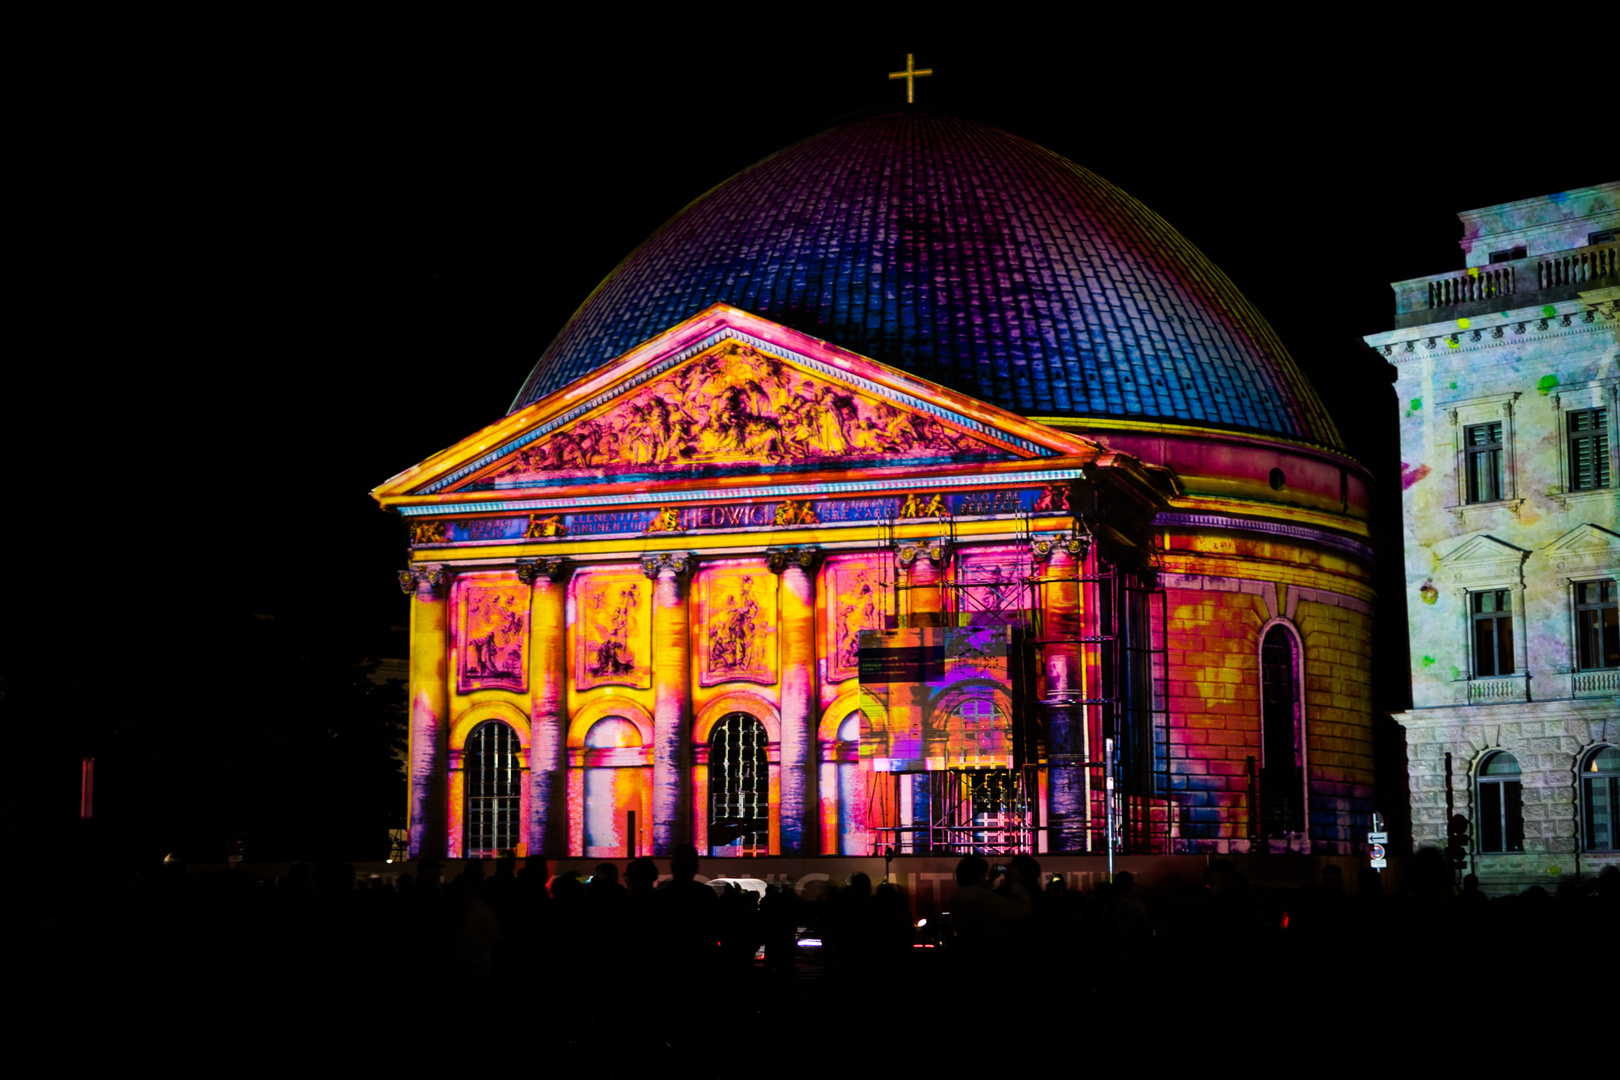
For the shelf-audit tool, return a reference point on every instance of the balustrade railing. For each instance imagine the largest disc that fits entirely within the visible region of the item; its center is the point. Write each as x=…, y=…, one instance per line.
x=1578, y=267
x=1494, y=690
x=1477, y=284
x=1597, y=682
x=1520, y=278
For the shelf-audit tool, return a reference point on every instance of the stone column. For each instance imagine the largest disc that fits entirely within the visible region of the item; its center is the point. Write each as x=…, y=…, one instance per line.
x=671, y=573
x=1064, y=687
x=548, y=704
x=796, y=565
x=427, y=812
x=924, y=564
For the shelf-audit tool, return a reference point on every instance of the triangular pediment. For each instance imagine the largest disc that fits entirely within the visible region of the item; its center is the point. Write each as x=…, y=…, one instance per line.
x=1585, y=539
x=1484, y=549
x=728, y=394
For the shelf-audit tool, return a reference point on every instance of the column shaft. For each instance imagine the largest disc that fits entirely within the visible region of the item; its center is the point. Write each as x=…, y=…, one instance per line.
x=548, y=715
x=672, y=702
x=1063, y=678
x=429, y=717
x=798, y=629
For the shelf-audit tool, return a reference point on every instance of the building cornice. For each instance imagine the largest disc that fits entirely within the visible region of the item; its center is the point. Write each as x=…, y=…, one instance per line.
x=1565, y=318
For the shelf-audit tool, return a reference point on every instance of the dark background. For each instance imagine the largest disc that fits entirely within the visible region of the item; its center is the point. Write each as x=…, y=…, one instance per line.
x=286, y=266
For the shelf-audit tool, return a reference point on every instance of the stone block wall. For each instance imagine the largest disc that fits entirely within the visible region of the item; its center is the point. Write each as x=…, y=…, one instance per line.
x=1549, y=740
x=1339, y=734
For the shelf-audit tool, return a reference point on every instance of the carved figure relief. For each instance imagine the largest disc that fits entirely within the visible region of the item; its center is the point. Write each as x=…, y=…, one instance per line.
x=542, y=527
x=738, y=619
x=1052, y=497
x=611, y=629
x=854, y=603
x=493, y=623
x=427, y=532
x=789, y=512
x=924, y=506
x=668, y=520
x=736, y=404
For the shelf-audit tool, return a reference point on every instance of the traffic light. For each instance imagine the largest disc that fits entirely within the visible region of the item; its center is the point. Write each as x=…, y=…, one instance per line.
x=1457, y=840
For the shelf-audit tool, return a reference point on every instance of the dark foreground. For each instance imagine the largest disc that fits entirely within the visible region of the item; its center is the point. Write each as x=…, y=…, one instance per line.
x=620, y=981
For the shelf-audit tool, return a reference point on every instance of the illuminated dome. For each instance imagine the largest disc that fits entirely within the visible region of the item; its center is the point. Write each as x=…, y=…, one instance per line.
x=965, y=255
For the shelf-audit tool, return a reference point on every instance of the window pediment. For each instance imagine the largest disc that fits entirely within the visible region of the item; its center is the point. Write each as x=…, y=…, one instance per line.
x=1484, y=560
x=1585, y=548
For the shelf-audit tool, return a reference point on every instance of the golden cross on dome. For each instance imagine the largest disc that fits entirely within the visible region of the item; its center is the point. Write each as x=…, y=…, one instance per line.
x=910, y=75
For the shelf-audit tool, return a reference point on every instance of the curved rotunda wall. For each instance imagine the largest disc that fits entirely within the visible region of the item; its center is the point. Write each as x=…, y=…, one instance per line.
x=967, y=256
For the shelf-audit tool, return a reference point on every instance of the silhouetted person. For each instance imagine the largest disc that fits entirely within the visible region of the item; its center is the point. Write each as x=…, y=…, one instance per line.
x=984, y=919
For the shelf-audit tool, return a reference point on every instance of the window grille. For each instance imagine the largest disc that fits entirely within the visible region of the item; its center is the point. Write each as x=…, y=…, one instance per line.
x=491, y=777
x=1493, y=632
x=1501, y=804
x=1589, y=450
x=739, y=788
x=1483, y=443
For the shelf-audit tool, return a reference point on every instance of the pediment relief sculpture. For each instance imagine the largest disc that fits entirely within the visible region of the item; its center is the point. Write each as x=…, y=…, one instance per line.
x=735, y=405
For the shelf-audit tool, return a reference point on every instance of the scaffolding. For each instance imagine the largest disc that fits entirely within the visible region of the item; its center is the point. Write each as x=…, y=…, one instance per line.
x=1120, y=700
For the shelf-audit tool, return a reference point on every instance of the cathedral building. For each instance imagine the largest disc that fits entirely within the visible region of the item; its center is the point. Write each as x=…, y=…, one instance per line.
x=1507, y=382
x=915, y=488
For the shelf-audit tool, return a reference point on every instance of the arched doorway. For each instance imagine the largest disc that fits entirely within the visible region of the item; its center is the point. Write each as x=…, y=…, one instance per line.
x=739, y=787
x=615, y=790
x=492, y=785
x=1282, y=762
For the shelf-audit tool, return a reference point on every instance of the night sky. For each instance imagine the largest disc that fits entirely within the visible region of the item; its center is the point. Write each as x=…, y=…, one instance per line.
x=303, y=269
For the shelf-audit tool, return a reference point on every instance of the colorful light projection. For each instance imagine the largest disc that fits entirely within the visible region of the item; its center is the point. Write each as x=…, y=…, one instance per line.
x=855, y=603
x=943, y=694
x=492, y=633
x=612, y=617
x=735, y=405
x=738, y=616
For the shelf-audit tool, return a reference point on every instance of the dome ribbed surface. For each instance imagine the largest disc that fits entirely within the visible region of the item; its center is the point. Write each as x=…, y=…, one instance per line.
x=965, y=255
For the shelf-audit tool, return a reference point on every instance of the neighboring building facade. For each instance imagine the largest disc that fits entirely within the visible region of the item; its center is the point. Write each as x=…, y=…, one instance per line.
x=1508, y=373
x=911, y=375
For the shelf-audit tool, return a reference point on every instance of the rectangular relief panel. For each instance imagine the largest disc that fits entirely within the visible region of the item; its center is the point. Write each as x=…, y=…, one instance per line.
x=855, y=602
x=492, y=634
x=735, y=630
x=612, y=628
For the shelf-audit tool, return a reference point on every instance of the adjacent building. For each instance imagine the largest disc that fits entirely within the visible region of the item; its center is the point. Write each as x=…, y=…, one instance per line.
x=1508, y=372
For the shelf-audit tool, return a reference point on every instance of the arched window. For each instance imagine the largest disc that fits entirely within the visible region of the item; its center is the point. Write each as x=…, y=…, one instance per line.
x=739, y=787
x=1501, y=804
x=1600, y=797
x=494, y=799
x=852, y=838
x=1282, y=764
x=614, y=787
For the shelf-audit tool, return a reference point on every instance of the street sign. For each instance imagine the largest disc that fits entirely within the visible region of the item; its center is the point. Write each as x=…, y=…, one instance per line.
x=1376, y=849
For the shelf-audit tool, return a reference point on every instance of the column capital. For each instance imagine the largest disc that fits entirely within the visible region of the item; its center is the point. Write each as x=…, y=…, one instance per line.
x=803, y=556
x=426, y=581
x=1042, y=548
x=936, y=551
x=554, y=570
x=678, y=563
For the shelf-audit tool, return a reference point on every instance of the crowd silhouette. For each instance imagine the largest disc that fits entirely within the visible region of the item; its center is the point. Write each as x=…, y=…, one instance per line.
x=665, y=971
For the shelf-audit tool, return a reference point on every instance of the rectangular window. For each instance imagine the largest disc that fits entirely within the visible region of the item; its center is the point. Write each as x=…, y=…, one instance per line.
x=1493, y=633
x=1597, y=624
x=1589, y=449
x=1483, y=444
x=1509, y=255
